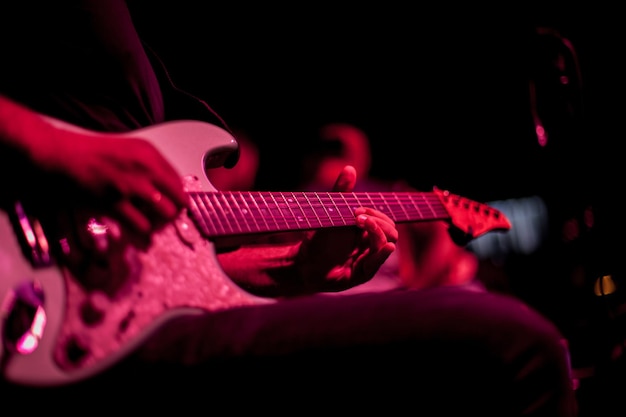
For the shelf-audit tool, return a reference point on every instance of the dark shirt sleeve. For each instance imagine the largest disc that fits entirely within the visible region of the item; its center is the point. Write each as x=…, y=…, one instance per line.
x=81, y=61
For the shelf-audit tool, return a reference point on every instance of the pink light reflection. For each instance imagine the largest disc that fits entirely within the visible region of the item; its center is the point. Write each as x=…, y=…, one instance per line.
x=30, y=340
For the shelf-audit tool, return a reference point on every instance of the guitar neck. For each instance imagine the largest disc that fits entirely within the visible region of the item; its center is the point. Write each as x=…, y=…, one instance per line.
x=234, y=212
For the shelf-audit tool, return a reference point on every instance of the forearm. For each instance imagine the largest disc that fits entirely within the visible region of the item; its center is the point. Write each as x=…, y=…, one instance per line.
x=20, y=128
x=266, y=270
x=28, y=142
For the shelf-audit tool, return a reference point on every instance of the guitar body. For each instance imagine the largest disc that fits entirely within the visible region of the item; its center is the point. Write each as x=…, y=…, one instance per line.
x=87, y=329
x=68, y=317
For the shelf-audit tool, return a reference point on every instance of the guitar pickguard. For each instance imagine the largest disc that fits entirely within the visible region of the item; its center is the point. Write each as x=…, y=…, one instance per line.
x=172, y=277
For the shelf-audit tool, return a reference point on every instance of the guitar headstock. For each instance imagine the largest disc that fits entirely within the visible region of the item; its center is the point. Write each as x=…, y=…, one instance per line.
x=470, y=219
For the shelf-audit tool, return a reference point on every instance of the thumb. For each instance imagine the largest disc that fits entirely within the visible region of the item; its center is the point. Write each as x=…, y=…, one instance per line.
x=346, y=180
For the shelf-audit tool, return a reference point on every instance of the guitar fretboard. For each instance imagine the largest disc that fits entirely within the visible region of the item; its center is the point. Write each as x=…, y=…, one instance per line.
x=242, y=212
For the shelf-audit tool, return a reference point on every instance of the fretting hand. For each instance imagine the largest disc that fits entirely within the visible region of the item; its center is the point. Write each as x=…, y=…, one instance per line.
x=334, y=260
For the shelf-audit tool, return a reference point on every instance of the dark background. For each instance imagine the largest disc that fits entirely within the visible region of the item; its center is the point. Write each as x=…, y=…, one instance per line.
x=443, y=92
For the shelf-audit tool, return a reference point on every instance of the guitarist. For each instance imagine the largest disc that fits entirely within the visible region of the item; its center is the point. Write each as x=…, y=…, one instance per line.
x=82, y=62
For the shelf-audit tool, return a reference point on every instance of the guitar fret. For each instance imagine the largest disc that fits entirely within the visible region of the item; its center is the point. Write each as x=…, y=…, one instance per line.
x=410, y=208
x=288, y=219
x=398, y=203
x=232, y=215
x=315, y=213
x=318, y=207
x=257, y=211
x=296, y=219
x=335, y=213
x=293, y=219
x=338, y=214
x=224, y=213
x=424, y=206
x=382, y=204
x=196, y=209
x=249, y=211
x=212, y=213
x=272, y=210
x=346, y=210
x=415, y=208
x=371, y=203
x=196, y=212
x=238, y=214
x=203, y=212
x=308, y=212
x=267, y=212
x=433, y=210
x=332, y=211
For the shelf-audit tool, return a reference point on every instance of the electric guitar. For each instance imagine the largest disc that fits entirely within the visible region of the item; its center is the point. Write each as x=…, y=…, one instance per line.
x=62, y=322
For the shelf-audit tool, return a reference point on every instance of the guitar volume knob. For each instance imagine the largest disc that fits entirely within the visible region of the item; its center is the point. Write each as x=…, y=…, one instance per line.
x=24, y=318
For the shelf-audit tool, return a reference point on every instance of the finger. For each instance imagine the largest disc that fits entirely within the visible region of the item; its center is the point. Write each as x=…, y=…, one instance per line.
x=373, y=262
x=169, y=182
x=172, y=188
x=133, y=216
x=161, y=205
x=346, y=180
x=163, y=175
x=375, y=213
x=379, y=233
x=155, y=203
x=375, y=221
